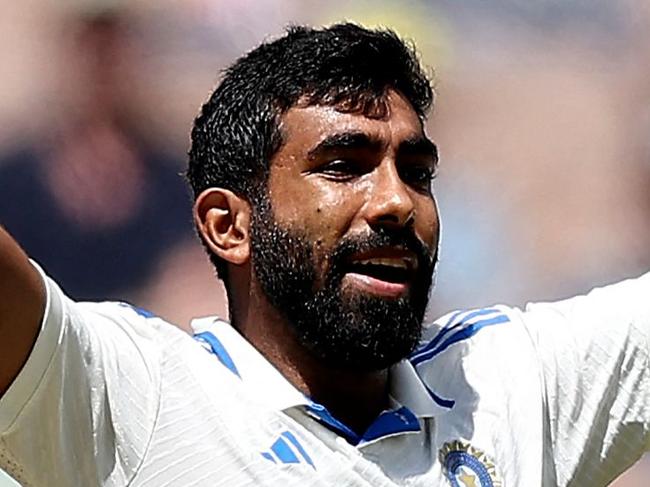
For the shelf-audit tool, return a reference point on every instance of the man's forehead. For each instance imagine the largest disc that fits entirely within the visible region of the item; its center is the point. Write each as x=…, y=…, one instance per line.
x=315, y=122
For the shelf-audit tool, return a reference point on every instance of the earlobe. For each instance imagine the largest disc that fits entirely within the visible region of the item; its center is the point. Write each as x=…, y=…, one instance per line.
x=222, y=219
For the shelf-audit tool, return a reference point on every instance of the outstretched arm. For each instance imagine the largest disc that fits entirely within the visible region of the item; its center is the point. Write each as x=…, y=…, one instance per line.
x=22, y=303
x=79, y=382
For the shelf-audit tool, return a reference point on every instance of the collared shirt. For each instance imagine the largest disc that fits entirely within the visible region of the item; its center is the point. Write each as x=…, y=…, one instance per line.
x=410, y=401
x=555, y=395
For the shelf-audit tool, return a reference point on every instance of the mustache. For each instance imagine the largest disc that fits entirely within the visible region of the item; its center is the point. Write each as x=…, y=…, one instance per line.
x=404, y=238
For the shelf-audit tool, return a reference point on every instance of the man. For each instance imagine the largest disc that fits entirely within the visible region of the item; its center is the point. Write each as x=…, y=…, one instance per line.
x=311, y=173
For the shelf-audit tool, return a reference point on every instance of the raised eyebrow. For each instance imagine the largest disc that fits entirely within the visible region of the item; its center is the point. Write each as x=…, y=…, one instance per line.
x=419, y=146
x=344, y=140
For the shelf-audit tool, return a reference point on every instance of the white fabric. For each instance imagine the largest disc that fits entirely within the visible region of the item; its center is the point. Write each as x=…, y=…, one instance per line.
x=554, y=395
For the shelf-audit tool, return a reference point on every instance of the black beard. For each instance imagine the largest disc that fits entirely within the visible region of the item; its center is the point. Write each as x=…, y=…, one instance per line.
x=345, y=330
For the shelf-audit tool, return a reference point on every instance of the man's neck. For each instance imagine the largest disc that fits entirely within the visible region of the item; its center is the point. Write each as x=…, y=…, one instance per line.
x=354, y=398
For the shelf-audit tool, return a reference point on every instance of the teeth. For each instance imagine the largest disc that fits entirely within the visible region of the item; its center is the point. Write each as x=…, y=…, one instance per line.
x=397, y=263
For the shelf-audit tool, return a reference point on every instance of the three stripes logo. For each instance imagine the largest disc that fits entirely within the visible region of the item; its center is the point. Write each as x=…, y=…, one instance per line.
x=286, y=449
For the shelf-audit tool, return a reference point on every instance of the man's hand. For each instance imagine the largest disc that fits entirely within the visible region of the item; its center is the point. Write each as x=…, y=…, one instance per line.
x=22, y=304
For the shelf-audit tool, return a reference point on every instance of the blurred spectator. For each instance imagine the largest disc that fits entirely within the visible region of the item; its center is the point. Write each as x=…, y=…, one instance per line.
x=93, y=200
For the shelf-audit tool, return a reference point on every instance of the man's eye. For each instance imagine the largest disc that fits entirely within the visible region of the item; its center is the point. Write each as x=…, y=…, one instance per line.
x=421, y=176
x=341, y=169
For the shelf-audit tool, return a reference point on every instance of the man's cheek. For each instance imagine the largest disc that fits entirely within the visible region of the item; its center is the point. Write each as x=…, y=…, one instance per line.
x=428, y=230
x=323, y=262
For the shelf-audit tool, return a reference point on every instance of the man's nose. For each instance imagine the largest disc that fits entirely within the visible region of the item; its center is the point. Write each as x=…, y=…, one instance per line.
x=389, y=203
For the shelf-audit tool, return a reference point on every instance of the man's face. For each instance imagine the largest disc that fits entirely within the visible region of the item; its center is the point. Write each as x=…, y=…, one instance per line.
x=345, y=244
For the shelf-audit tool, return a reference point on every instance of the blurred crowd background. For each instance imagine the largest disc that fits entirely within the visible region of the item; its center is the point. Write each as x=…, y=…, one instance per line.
x=542, y=119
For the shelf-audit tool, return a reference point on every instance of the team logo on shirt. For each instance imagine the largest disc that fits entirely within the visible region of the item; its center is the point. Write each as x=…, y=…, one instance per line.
x=466, y=466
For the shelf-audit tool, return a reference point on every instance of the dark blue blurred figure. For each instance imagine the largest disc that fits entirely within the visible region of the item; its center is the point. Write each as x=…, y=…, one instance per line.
x=94, y=202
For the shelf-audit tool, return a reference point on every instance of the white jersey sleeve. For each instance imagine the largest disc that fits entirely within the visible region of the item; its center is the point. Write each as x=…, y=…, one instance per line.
x=595, y=371
x=84, y=405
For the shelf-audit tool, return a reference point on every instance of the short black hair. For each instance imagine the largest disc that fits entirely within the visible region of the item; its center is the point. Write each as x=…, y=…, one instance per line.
x=345, y=65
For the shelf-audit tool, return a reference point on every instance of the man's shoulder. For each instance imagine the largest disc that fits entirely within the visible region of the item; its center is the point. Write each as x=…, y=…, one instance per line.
x=123, y=314
x=461, y=331
x=475, y=360
x=115, y=326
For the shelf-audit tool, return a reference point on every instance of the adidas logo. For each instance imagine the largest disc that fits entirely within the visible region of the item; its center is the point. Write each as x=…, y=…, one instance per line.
x=286, y=449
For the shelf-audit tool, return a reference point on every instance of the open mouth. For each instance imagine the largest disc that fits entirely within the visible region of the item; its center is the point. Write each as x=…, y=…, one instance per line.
x=383, y=272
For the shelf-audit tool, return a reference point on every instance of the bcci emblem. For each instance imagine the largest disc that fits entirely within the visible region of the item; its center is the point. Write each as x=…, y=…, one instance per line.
x=466, y=466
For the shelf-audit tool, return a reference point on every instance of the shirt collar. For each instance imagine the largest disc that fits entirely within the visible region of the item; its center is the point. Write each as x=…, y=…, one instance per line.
x=265, y=382
x=259, y=377
x=407, y=389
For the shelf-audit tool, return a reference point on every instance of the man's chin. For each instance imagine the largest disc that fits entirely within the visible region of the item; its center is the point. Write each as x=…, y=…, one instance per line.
x=362, y=332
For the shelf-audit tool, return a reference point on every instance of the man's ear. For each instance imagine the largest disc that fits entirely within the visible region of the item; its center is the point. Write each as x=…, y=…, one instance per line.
x=223, y=218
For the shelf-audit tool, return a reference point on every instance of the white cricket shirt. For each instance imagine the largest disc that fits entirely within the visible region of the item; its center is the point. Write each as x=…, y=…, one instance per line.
x=555, y=395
